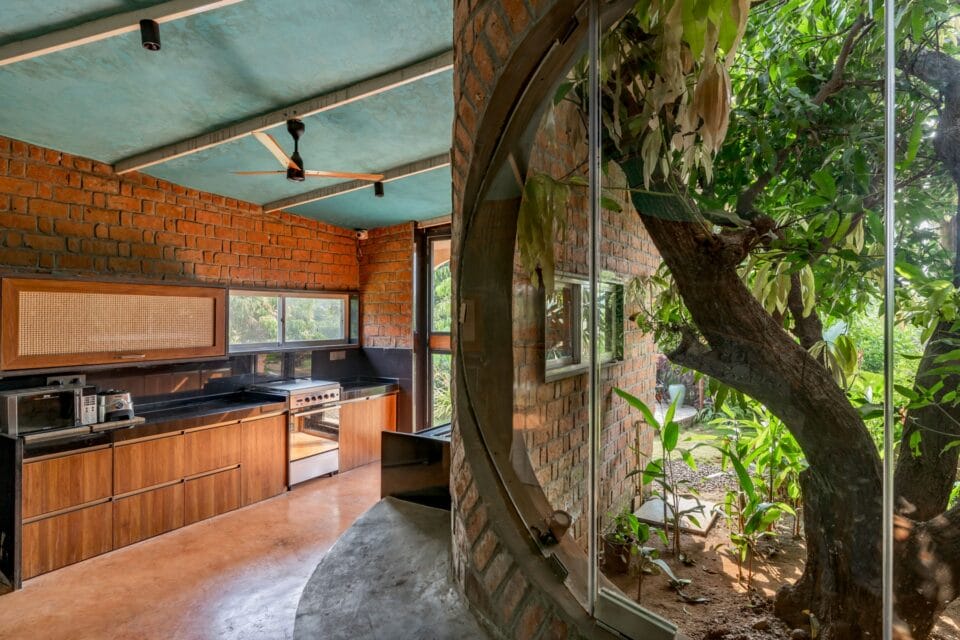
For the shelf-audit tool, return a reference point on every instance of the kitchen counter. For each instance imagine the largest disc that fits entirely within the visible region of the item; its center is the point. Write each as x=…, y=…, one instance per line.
x=367, y=387
x=166, y=417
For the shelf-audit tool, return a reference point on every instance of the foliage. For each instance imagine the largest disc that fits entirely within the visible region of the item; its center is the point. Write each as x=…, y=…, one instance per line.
x=660, y=470
x=442, y=401
x=254, y=319
x=767, y=463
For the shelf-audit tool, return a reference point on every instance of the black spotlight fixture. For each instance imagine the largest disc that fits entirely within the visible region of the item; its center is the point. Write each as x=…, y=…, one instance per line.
x=378, y=189
x=296, y=128
x=150, y=35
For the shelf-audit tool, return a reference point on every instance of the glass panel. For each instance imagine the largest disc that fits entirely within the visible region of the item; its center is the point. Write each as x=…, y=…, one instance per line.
x=313, y=319
x=441, y=282
x=926, y=345
x=254, y=319
x=562, y=317
x=440, y=373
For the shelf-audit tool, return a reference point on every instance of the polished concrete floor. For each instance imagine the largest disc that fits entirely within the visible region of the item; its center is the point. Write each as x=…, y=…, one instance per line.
x=237, y=576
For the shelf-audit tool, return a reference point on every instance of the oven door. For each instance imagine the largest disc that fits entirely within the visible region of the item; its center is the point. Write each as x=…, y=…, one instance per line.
x=314, y=443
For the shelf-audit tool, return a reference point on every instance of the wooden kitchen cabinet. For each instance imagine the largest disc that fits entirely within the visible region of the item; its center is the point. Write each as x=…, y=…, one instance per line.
x=211, y=449
x=263, y=458
x=66, y=481
x=360, y=425
x=211, y=495
x=64, y=323
x=51, y=543
x=147, y=463
x=147, y=514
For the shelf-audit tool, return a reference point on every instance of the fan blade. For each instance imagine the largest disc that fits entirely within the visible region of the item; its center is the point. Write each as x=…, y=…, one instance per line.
x=256, y=173
x=372, y=177
x=273, y=147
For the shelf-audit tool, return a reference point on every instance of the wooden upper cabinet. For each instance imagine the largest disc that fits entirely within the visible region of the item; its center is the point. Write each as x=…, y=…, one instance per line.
x=55, y=323
x=69, y=481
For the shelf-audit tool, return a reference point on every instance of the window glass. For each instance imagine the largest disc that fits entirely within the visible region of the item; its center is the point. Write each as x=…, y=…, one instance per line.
x=440, y=372
x=314, y=319
x=442, y=281
x=559, y=325
x=254, y=319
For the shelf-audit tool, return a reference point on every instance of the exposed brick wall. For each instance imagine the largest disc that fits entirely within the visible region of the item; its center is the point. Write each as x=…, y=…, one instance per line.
x=552, y=417
x=386, y=287
x=68, y=215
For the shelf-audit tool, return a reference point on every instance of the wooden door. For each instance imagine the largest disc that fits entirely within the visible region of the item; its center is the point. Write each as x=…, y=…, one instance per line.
x=57, y=541
x=147, y=514
x=63, y=323
x=263, y=458
x=211, y=495
x=211, y=449
x=147, y=463
x=360, y=426
x=68, y=481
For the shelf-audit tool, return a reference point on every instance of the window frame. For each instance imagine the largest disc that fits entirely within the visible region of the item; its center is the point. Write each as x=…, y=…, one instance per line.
x=579, y=363
x=283, y=344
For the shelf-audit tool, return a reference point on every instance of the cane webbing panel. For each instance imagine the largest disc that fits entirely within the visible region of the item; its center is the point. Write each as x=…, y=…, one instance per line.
x=56, y=323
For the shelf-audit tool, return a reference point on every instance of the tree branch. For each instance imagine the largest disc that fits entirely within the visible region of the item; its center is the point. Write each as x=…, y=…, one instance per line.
x=833, y=84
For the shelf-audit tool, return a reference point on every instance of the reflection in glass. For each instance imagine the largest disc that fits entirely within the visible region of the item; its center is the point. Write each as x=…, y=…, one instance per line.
x=254, y=319
x=560, y=326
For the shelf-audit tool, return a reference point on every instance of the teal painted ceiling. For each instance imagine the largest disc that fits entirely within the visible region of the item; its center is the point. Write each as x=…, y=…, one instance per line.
x=111, y=99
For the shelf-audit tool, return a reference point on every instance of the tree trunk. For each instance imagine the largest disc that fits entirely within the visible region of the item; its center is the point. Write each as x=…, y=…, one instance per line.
x=746, y=349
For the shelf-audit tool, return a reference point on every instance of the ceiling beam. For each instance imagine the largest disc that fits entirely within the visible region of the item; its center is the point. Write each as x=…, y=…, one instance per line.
x=403, y=171
x=317, y=104
x=103, y=28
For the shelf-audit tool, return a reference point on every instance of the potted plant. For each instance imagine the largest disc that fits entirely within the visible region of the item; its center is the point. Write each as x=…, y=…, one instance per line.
x=618, y=543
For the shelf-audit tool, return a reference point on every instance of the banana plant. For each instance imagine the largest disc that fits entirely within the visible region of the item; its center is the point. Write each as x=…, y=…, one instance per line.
x=660, y=471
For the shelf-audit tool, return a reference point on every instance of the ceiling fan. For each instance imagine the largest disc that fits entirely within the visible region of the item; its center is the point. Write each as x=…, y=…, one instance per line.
x=293, y=165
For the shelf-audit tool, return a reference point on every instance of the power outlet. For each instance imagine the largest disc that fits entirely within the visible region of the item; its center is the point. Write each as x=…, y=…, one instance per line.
x=77, y=379
x=338, y=355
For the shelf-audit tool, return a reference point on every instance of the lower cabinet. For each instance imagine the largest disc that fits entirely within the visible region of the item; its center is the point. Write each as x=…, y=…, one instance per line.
x=147, y=514
x=80, y=505
x=360, y=425
x=57, y=541
x=211, y=495
x=263, y=458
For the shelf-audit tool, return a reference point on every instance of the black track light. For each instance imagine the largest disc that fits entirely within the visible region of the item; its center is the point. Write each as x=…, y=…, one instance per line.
x=378, y=189
x=150, y=35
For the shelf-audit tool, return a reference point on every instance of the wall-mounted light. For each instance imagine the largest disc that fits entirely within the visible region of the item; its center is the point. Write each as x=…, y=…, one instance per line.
x=150, y=35
x=378, y=189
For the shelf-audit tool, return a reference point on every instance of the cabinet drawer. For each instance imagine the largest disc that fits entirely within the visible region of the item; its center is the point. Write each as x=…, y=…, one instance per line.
x=211, y=449
x=55, y=542
x=147, y=514
x=145, y=464
x=60, y=483
x=211, y=495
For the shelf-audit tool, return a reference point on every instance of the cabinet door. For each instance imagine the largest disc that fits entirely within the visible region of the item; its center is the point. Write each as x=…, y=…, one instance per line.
x=211, y=449
x=147, y=514
x=211, y=495
x=148, y=463
x=360, y=426
x=56, y=323
x=68, y=481
x=263, y=459
x=55, y=542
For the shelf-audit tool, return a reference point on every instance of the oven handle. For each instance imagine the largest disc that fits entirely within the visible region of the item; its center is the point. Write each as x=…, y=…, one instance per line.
x=313, y=412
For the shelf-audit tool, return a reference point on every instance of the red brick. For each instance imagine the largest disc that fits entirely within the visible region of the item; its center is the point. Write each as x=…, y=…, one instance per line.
x=101, y=184
x=71, y=228
x=124, y=203
x=17, y=186
x=18, y=257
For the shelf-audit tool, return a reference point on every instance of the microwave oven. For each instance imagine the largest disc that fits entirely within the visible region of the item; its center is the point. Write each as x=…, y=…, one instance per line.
x=26, y=411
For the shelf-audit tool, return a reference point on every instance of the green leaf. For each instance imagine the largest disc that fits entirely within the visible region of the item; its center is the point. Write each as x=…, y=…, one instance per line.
x=640, y=406
x=610, y=204
x=689, y=459
x=671, y=433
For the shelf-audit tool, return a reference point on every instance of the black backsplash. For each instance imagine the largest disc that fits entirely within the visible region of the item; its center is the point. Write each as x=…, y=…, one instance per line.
x=150, y=383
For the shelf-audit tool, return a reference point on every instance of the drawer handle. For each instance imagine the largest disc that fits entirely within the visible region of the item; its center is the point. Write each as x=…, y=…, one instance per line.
x=132, y=356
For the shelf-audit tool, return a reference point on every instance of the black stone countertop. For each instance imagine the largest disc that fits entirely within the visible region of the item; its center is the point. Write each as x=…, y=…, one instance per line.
x=367, y=386
x=167, y=417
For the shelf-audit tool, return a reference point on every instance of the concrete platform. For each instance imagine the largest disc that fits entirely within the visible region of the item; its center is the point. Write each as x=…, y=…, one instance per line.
x=388, y=576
